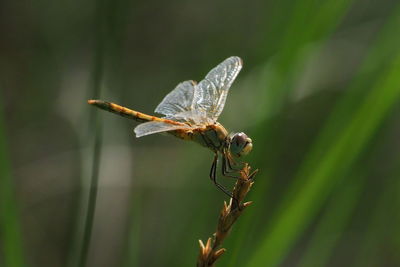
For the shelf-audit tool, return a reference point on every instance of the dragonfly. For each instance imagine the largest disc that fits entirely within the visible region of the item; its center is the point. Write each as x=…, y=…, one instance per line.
x=190, y=112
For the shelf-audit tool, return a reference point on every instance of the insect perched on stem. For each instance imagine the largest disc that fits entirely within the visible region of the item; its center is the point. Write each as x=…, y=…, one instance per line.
x=191, y=111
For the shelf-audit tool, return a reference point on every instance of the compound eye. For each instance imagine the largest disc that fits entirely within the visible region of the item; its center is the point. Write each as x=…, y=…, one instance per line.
x=240, y=138
x=241, y=144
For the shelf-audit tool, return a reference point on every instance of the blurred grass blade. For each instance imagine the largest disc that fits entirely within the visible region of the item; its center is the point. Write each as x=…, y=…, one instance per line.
x=87, y=206
x=396, y=217
x=383, y=218
x=131, y=257
x=335, y=219
x=10, y=229
x=321, y=18
x=330, y=158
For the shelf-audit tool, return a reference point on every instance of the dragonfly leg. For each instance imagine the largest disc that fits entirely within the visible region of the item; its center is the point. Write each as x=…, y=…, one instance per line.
x=229, y=165
x=226, y=170
x=213, y=177
x=231, y=162
x=213, y=171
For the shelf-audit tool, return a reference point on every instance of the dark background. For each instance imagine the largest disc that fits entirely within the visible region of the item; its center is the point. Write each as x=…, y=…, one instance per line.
x=319, y=95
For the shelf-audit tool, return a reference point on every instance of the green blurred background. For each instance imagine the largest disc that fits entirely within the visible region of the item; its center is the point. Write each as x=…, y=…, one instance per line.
x=319, y=95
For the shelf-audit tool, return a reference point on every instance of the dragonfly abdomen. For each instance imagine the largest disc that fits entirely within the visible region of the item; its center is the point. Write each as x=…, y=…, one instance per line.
x=129, y=113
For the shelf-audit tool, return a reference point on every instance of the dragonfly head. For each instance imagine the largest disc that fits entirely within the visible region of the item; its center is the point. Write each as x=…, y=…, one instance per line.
x=240, y=144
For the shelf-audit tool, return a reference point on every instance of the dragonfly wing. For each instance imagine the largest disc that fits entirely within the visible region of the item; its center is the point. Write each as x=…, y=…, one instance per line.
x=178, y=100
x=210, y=94
x=194, y=117
x=152, y=127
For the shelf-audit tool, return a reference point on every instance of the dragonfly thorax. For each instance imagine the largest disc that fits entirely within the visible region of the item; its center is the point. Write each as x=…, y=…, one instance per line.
x=239, y=144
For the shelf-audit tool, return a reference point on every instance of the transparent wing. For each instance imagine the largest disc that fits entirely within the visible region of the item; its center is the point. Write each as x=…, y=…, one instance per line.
x=194, y=117
x=210, y=94
x=152, y=127
x=178, y=100
x=203, y=102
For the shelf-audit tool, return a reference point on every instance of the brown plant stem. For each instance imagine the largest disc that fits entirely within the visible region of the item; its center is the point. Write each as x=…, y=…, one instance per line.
x=211, y=251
